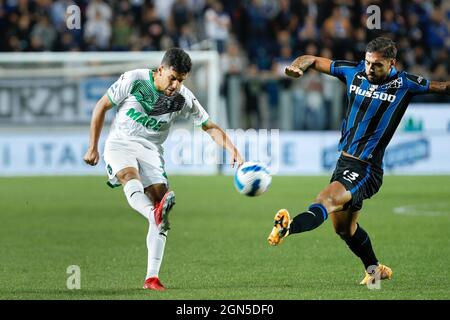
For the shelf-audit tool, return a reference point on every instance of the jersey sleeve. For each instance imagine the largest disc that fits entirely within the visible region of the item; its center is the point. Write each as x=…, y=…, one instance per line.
x=417, y=84
x=344, y=69
x=199, y=114
x=120, y=89
x=195, y=109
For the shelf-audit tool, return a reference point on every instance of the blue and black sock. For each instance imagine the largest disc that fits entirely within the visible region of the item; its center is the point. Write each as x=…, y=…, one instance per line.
x=309, y=220
x=361, y=246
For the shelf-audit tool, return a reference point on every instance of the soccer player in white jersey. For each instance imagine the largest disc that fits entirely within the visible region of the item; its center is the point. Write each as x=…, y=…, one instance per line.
x=148, y=101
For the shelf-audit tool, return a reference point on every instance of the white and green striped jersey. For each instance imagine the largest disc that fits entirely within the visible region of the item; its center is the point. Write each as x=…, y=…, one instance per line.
x=144, y=114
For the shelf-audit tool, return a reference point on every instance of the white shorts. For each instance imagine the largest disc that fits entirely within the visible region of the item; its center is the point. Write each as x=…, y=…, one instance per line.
x=121, y=154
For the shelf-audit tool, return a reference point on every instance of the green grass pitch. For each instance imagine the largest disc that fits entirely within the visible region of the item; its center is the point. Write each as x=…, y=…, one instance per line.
x=217, y=247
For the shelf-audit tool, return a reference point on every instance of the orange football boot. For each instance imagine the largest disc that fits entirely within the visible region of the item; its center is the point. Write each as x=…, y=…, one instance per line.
x=281, y=227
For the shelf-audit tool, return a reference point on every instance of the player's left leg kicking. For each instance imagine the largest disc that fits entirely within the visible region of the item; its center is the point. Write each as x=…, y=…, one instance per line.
x=154, y=203
x=151, y=168
x=331, y=201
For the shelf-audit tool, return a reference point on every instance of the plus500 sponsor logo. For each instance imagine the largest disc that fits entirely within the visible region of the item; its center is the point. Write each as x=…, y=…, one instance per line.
x=372, y=94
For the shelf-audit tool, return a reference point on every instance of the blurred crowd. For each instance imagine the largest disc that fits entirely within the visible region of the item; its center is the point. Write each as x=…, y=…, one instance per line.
x=255, y=38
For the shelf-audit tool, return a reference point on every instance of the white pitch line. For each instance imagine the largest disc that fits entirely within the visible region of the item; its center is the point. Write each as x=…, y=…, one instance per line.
x=432, y=210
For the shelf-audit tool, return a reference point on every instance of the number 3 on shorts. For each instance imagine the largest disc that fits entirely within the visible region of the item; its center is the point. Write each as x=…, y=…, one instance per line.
x=350, y=176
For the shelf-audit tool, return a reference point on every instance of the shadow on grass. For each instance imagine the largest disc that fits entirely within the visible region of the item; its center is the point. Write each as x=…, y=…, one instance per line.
x=91, y=293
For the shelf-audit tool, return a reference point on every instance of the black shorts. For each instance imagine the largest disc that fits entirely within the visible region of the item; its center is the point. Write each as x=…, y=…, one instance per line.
x=362, y=179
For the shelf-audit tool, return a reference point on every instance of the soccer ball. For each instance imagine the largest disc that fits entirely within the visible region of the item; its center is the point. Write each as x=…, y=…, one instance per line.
x=252, y=179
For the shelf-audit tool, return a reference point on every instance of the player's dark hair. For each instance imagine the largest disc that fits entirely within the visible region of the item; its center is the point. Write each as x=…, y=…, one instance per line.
x=178, y=59
x=383, y=45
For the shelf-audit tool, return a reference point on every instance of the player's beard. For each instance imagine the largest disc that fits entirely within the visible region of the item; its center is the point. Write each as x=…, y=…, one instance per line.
x=376, y=80
x=372, y=79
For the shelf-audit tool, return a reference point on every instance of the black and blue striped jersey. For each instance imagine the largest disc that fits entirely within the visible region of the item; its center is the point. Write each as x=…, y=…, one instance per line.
x=374, y=110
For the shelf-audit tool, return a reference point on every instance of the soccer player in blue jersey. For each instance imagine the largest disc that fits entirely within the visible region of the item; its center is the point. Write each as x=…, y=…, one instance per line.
x=378, y=95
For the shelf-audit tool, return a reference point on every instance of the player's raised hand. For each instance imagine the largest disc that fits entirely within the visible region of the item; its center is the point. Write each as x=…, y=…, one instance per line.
x=293, y=71
x=91, y=157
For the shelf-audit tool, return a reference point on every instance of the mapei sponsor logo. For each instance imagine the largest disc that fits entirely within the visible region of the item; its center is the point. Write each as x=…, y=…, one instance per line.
x=146, y=121
x=394, y=84
x=372, y=94
x=407, y=153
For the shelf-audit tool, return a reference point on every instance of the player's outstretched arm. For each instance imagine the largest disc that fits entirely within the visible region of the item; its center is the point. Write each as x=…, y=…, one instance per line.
x=302, y=63
x=221, y=138
x=442, y=87
x=98, y=118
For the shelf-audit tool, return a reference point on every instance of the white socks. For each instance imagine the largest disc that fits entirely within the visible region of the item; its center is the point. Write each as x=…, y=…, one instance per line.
x=138, y=200
x=156, y=241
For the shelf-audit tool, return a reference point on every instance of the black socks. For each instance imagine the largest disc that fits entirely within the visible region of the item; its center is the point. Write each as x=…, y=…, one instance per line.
x=309, y=220
x=361, y=246
x=359, y=243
